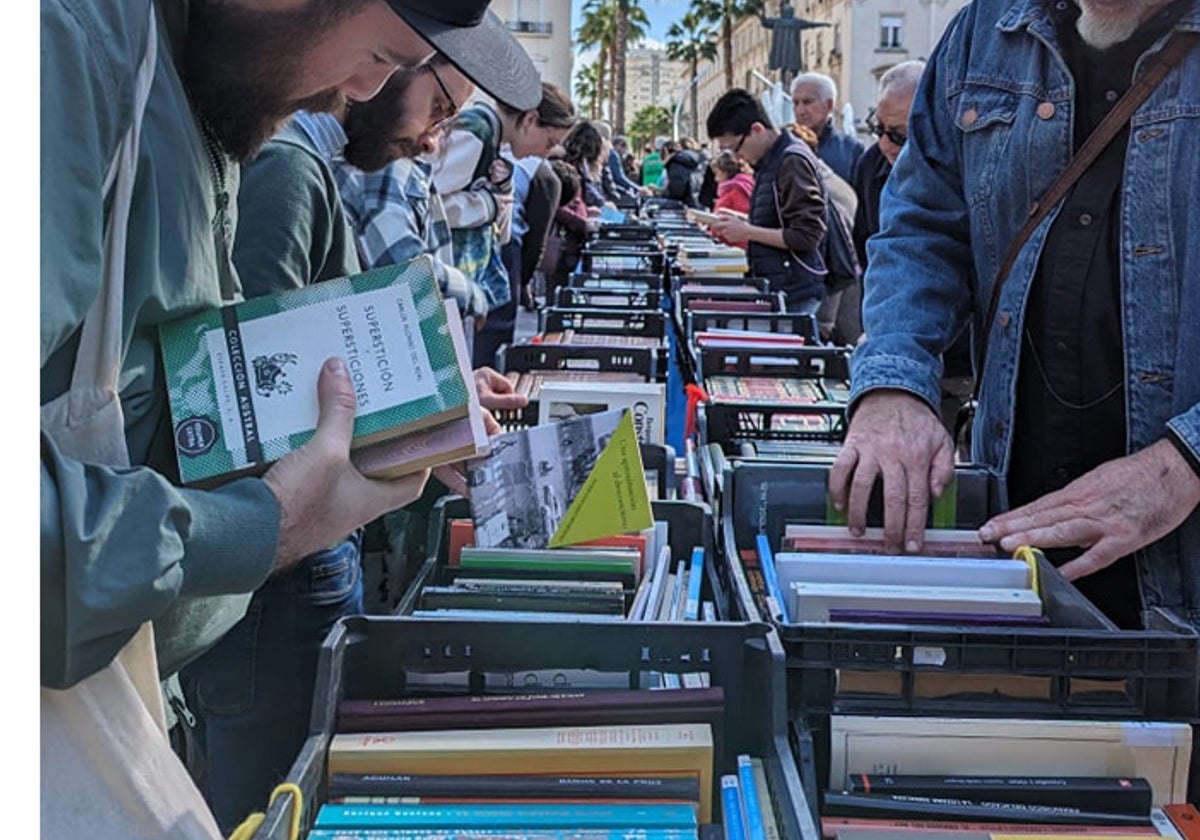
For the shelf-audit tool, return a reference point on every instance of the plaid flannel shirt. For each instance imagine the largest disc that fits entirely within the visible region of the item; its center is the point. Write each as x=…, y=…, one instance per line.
x=397, y=215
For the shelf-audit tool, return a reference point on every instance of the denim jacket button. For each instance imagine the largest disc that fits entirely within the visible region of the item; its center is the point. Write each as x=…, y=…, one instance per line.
x=1046, y=110
x=1003, y=319
x=969, y=116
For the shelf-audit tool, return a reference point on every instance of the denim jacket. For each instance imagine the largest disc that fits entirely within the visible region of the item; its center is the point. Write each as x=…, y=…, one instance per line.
x=990, y=129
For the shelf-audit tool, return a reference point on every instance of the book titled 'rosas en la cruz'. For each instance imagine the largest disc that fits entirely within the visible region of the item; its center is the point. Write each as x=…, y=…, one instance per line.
x=242, y=380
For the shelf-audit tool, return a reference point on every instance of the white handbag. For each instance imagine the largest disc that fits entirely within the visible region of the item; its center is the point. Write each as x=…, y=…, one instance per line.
x=108, y=770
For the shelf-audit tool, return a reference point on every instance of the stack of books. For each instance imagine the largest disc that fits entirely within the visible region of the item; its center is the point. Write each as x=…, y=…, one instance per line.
x=827, y=575
x=712, y=259
x=970, y=778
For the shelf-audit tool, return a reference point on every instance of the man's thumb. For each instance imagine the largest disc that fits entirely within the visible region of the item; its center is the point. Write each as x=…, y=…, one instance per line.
x=337, y=404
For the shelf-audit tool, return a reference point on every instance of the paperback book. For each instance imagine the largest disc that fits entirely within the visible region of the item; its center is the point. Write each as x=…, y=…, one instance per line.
x=242, y=380
x=561, y=484
x=646, y=401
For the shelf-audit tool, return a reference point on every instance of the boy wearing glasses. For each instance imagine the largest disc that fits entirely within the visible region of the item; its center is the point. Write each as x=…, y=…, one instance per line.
x=787, y=208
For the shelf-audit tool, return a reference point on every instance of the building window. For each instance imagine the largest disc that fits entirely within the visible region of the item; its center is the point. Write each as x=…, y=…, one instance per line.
x=529, y=16
x=891, y=32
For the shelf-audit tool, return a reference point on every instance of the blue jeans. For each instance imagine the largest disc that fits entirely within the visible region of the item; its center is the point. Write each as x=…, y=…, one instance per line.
x=252, y=692
x=797, y=305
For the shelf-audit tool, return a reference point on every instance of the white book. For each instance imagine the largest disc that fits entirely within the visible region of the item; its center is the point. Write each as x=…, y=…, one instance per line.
x=904, y=570
x=813, y=601
x=658, y=587
x=559, y=401
x=641, y=597
x=1157, y=752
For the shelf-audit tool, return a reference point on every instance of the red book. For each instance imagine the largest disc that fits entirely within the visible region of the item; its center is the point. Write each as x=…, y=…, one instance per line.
x=1186, y=820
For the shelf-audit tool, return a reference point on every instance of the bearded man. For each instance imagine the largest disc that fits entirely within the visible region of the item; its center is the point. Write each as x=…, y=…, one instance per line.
x=1090, y=397
x=148, y=107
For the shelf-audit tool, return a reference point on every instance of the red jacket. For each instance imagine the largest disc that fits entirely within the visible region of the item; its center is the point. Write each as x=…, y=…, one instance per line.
x=734, y=193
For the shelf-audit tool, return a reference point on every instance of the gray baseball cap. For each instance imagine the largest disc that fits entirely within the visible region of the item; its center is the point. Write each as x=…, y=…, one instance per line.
x=479, y=44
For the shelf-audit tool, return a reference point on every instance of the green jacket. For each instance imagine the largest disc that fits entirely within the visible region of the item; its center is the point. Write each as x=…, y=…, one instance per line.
x=292, y=230
x=120, y=546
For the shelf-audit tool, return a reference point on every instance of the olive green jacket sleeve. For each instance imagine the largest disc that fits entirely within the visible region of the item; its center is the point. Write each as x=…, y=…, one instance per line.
x=123, y=546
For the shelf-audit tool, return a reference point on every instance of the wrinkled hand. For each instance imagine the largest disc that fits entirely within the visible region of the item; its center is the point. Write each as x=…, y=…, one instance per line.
x=731, y=228
x=321, y=496
x=895, y=436
x=496, y=392
x=1112, y=511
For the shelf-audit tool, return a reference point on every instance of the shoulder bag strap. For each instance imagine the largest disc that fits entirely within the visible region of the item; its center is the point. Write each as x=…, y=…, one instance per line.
x=1117, y=119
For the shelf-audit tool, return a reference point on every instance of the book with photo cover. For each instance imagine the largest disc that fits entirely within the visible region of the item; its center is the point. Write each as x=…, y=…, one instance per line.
x=646, y=400
x=561, y=484
x=763, y=389
x=242, y=380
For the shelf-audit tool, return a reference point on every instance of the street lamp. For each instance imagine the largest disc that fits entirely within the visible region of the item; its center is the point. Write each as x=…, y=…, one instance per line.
x=683, y=95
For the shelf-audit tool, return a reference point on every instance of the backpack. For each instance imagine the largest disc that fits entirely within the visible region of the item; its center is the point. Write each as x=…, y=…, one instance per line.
x=837, y=249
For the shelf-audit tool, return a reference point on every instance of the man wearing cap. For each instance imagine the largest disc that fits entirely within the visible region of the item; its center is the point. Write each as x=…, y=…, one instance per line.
x=148, y=107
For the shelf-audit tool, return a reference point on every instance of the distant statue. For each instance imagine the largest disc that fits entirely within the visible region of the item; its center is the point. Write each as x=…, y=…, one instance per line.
x=787, y=54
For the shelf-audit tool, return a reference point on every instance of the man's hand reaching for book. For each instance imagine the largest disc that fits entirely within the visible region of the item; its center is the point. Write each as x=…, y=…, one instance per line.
x=321, y=496
x=496, y=393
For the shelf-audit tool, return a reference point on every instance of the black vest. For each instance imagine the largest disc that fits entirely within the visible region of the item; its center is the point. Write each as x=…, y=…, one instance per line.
x=788, y=272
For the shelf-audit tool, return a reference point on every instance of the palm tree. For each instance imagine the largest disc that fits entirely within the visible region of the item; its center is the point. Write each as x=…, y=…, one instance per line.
x=691, y=39
x=587, y=89
x=598, y=29
x=727, y=13
x=631, y=23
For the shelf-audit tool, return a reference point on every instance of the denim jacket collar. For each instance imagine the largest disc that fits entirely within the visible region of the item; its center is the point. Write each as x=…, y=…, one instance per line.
x=1035, y=15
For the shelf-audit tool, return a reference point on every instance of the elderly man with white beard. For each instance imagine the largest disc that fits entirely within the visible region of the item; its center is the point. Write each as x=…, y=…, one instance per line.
x=1083, y=318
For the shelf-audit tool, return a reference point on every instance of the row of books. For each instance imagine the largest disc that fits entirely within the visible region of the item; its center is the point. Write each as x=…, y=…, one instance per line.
x=592, y=763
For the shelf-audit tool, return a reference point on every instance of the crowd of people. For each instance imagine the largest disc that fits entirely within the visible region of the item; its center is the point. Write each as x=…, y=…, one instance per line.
x=197, y=154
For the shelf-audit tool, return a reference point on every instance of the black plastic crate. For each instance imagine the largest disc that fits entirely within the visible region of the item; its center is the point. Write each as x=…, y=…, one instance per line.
x=787, y=323
x=629, y=282
x=377, y=657
x=643, y=323
x=627, y=233
x=616, y=262
x=689, y=524
x=570, y=297
x=532, y=357
x=1081, y=665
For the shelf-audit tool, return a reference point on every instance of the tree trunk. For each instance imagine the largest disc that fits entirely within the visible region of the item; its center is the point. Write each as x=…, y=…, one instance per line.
x=695, y=99
x=601, y=66
x=619, y=66
x=727, y=44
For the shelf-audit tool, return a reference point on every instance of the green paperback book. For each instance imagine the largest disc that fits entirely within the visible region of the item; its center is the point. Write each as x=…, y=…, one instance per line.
x=242, y=380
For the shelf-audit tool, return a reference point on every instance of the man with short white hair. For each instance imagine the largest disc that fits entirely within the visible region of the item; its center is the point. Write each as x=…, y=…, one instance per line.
x=814, y=96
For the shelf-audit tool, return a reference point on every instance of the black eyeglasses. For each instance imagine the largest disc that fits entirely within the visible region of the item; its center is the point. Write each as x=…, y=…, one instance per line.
x=877, y=129
x=454, y=107
x=738, y=147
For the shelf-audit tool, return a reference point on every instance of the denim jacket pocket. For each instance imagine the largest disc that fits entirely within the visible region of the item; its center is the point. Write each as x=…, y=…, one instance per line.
x=985, y=116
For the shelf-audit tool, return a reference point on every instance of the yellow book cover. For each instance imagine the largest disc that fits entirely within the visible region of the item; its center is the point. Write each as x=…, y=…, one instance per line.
x=644, y=749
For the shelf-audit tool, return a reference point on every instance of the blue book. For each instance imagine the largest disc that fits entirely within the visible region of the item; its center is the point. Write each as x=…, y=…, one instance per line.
x=731, y=809
x=515, y=816
x=691, y=606
x=754, y=820
x=634, y=833
x=767, y=561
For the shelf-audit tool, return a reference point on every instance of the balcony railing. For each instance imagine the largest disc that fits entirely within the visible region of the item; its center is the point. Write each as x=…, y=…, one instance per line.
x=531, y=27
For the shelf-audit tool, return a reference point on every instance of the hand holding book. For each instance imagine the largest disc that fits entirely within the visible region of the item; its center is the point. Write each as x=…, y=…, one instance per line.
x=321, y=496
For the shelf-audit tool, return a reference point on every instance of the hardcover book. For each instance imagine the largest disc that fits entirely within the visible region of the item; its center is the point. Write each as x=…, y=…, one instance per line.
x=1157, y=752
x=763, y=389
x=635, y=750
x=242, y=380
x=557, y=485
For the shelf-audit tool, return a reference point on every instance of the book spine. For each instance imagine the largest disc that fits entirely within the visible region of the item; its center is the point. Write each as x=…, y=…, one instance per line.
x=1109, y=795
x=506, y=816
x=732, y=818
x=531, y=787
x=884, y=805
x=691, y=607
x=765, y=806
x=767, y=563
x=630, y=833
x=919, y=829
x=750, y=795
x=1185, y=819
